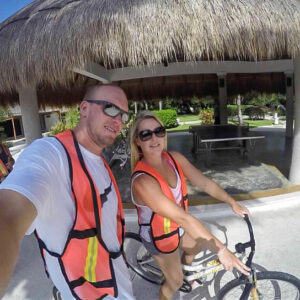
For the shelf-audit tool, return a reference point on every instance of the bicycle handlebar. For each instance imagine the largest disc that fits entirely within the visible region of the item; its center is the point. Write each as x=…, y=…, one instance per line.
x=241, y=247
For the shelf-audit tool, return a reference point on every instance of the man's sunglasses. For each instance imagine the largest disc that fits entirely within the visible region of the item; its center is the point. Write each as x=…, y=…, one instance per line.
x=146, y=135
x=111, y=110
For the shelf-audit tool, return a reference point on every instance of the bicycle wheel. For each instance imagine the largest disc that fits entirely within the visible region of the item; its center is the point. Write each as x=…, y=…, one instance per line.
x=140, y=260
x=270, y=285
x=223, y=277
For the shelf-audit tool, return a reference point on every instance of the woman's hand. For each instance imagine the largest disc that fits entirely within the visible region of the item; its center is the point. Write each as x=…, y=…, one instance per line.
x=239, y=209
x=230, y=261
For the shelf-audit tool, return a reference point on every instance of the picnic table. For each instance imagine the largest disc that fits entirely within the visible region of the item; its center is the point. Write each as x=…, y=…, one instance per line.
x=208, y=138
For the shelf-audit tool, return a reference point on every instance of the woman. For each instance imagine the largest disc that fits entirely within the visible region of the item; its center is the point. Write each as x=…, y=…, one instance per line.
x=158, y=190
x=6, y=162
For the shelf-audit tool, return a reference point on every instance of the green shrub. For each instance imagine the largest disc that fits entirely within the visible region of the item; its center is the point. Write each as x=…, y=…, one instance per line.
x=255, y=112
x=232, y=110
x=70, y=121
x=167, y=116
x=57, y=128
x=8, y=144
x=207, y=116
x=72, y=117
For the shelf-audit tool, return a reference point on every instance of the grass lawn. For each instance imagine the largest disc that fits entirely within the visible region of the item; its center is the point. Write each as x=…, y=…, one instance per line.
x=255, y=123
x=186, y=118
x=179, y=128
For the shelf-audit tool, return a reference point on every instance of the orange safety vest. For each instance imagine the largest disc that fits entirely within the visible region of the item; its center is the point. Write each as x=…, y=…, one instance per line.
x=164, y=231
x=86, y=263
x=3, y=170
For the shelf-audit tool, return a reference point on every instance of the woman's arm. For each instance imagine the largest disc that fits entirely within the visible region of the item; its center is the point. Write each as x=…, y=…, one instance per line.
x=207, y=185
x=147, y=191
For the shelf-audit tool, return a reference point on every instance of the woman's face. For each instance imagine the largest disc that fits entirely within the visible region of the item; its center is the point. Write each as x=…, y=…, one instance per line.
x=153, y=143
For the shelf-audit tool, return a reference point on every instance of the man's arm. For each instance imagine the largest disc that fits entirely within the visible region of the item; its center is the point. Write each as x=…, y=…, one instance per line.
x=16, y=215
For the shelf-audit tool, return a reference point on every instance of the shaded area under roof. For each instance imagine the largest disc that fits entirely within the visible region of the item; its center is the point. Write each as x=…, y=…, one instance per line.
x=178, y=87
x=42, y=43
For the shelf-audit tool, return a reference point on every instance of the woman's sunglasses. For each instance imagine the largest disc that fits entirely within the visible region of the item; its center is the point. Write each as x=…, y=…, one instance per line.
x=146, y=135
x=111, y=110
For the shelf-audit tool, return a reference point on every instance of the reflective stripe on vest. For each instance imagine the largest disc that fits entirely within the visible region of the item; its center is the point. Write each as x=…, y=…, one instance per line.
x=3, y=170
x=86, y=263
x=165, y=232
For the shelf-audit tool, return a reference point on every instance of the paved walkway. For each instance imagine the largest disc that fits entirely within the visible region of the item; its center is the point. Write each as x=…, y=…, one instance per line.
x=275, y=226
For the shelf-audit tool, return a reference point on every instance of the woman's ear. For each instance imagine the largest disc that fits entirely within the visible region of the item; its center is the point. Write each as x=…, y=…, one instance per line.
x=138, y=143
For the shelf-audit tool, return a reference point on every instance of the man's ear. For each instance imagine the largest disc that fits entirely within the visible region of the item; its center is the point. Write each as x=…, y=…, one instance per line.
x=83, y=109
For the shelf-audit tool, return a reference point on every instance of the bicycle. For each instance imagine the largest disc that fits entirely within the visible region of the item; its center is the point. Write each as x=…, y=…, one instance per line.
x=120, y=151
x=257, y=286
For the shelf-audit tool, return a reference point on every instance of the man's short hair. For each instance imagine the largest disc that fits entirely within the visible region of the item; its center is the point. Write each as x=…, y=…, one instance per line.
x=90, y=92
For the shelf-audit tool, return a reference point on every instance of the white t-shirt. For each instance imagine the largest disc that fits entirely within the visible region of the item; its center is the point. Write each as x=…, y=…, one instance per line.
x=41, y=174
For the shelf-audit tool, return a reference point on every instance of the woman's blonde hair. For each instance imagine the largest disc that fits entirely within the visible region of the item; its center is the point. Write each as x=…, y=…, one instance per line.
x=135, y=152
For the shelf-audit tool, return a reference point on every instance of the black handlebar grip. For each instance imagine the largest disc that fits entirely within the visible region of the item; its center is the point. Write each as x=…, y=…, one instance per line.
x=240, y=248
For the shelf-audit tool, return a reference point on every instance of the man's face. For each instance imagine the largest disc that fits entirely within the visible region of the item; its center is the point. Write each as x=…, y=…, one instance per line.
x=103, y=129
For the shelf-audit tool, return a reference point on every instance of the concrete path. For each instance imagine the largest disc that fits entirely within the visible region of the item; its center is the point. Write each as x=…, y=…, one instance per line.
x=276, y=225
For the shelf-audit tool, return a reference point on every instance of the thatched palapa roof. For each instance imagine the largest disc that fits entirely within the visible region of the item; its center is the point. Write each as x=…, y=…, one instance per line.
x=42, y=43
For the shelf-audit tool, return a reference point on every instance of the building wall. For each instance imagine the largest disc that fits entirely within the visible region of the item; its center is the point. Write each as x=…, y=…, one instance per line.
x=51, y=119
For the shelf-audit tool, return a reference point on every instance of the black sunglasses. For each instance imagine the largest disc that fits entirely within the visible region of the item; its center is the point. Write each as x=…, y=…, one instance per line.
x=146, y=135
x=111, y=110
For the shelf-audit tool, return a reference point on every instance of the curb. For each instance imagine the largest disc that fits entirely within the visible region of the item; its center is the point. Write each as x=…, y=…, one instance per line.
x=212, y=211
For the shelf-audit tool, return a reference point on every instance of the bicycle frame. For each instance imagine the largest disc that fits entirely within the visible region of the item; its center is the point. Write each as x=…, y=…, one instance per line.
x=204, y=269
x=205, y=264
x=121, y=151
x=213, y=266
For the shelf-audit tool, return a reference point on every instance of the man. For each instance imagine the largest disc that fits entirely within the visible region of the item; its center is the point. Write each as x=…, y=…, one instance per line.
x=62, y=190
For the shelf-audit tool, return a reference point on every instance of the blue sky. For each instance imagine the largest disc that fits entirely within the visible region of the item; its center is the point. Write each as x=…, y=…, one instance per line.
x=9, y=7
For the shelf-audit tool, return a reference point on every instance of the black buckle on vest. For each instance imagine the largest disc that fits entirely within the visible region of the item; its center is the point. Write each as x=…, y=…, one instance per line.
x=161, y=237
x=100, y=284
x=115, y=255
x=83, y=234
x=103, y=196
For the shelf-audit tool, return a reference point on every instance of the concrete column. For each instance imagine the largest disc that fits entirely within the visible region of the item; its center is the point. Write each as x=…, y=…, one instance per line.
x=160, y=105
x=222, y=84
x=146, y=105
x=289, y=84
x=135, y=107
x=30, y=114
x=295, y=162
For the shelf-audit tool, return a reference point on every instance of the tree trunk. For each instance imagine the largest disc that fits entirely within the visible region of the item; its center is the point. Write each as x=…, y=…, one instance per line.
x=240, y=116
